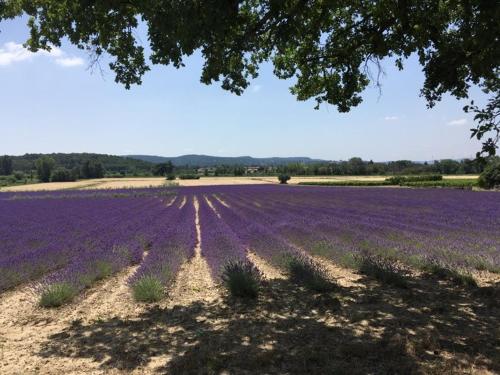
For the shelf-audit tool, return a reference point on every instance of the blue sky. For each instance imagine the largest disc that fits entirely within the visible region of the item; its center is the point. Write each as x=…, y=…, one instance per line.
x=53, y=102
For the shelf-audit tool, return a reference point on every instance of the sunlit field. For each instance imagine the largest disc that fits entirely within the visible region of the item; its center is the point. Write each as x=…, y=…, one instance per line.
x=146, y=182
x=301, y=279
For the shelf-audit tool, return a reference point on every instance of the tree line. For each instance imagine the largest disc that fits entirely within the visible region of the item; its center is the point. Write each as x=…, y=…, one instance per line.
x=68, y=167
x=352, y=167
x=359, y=167
x=46, y=169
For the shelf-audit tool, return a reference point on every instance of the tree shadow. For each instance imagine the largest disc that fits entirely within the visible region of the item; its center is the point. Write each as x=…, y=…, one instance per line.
x=370, y=328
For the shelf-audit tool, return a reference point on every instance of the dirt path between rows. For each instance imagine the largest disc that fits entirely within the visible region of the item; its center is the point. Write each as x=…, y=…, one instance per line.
x=24, y=326
x=193, y=289
x=194, y=282
x=267, y=270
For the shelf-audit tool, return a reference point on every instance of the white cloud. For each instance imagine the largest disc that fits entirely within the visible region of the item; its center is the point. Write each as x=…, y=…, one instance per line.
x=13, y=52
x=54, y=52
x=70, y=61
x=256, y=88
x=459, y=122
x=391, y=118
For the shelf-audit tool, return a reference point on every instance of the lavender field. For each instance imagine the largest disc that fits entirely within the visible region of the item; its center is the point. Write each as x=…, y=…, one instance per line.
x=167, y=238
x=70, y=236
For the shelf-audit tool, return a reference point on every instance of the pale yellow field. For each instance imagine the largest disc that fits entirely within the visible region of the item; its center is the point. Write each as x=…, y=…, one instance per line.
x=90, y=184
x=141, y=182
x=461, y=176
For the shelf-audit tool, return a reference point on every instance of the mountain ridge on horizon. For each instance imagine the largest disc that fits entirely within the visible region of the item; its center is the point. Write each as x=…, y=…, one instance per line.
x=143, y=162
x=201, y=160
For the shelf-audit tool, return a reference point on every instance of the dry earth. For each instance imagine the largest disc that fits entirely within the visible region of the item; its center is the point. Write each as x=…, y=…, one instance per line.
x=361, y=327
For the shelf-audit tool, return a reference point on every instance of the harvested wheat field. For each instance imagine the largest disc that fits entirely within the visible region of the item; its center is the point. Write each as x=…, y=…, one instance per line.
x=137, y=182
x=251, y=279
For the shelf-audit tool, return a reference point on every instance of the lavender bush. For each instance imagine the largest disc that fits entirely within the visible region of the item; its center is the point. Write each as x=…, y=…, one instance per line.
x=225, y=254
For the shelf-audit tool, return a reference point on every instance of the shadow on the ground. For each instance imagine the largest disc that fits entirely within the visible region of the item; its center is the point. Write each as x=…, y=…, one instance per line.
x=432, y=327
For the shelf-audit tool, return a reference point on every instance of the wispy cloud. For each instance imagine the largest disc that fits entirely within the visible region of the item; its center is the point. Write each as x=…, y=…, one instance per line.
x=70, y=61
x=391, y=118
x=256, y=88
x=13, y=52
x=458, y=122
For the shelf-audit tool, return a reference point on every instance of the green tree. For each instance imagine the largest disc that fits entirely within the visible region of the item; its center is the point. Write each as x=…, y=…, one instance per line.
x=490, y=177
x=6, y=165
x=163, y=169
x=92, y=169
x=239, y=170
x=471, y=166
x=448, y=166
x=283, y=178
x=62, y=175
x=44, y=167
x=329, y=47
x=488, y=125
x=19, y=175
x=356, y=166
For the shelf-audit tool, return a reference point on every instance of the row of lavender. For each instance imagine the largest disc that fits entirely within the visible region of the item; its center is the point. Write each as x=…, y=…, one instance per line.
x=88, y=193
x=455, y=228
x=172, y=241
x=77, y=240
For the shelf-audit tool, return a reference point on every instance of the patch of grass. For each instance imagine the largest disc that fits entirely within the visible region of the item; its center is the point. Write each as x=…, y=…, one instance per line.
x=304, y=271
x=103, y=270
x=462, y=278
x=346, y=183
x=9, y=278
x=57, y=294
x=322, y=248
x=482, y=264
x=458, y=277
x=383, y=269
x=148, y=289
x=86, y=280
x=242, y=279
x=415, y=261
x=188, y=176
x=396, y=180
x=455, y=183
x=413, y=181
x=350, y=260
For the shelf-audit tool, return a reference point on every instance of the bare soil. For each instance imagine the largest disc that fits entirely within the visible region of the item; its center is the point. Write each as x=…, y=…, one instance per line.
x=362, y=327
x=25, y=327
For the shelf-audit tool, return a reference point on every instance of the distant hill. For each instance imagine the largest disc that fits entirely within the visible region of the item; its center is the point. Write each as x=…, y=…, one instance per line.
x=212, y=161
x=111, y=163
